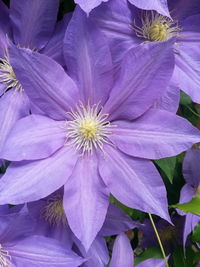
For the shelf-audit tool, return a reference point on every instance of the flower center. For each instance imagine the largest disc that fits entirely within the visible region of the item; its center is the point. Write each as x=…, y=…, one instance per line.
x=53, y=212
x=7, y=75
x=156, y=28
x=89, y=128
x=5, y=258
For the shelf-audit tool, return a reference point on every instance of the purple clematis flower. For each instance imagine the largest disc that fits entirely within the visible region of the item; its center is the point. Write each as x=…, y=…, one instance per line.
x=29, y=24
x=191, y=189
x=19, y=248
x=125, y=26
x=152, y=263
x=122, y=254
x=52, y=222
x=99, y=133
x=159, y=5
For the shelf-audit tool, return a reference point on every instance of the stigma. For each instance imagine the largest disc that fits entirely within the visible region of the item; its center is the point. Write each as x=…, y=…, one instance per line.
x=8, y=76
x=53, y=212
x=156, y=28
x=5, y=258
x=89, y=128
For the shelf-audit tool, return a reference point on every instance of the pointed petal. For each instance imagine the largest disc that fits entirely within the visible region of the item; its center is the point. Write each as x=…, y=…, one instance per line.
x=13, y=106
x=152, y=263
x=134, y=182
x=191, y=221
x=156, y=134
x=33, y=21
x=44, y=81
x=32, y=180
x=186, y=195
x=122, y=254
x=85, y=200
x=90, y=69
x=34, y=137
x=145, y=74
x=161, y=6
x=88, y=5
x=42, y=251
x=116, y=222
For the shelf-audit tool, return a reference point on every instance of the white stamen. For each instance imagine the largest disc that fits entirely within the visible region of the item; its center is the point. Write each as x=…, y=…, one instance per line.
x=5, y=258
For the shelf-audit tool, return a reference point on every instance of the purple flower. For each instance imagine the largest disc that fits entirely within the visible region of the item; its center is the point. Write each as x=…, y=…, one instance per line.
x=191, y=189
x=29, y=24
x=19, y=248
x=152, y=263
x=126, y=27
x=122, y=254
x=159, y=5
x=99, y=132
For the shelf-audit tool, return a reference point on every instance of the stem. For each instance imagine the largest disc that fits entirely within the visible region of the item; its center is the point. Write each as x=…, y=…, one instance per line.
x=196, y=114
x=159, y=241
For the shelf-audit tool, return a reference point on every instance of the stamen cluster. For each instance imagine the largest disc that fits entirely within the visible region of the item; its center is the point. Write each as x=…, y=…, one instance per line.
x=5, y=258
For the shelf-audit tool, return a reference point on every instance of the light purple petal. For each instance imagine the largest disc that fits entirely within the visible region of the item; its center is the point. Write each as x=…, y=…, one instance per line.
x=3, y=43
x=116, y=222
x=186, y=195
x=161, y=6
x=88, y=5
x=191, y=167
x=145, y=74
x=85, y=200
x=34, y=137
x=44, y=81
x=156, y=134
x=32, y=180
x=88, y=59
x=13, y=106
x=33, y=21
x=191, y=222
x=134, y=182
x=54, y=47
x=152, y=263
x=122, y=254
x=42, y=251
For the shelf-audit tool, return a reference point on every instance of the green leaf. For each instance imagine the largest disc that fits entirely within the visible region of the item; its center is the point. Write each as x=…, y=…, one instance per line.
x=168, y=167
x=152, y=252
x=185, y=99
x=193, y=206
x=196, y=234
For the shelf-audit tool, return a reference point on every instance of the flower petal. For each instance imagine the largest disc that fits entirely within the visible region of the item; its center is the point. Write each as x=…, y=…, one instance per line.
x=134, y=182
x=145, y=74
x=34, y=137
x=13, y=106
x=32, y=180
x=90, y=69
x=4, y=17
x=85, y=200
x=33, y=21
x=156, y=134
x=152, y=263
x=42, y=251
x=122, y=254
x=191, y=221
x=161, y=6
x=88, y=5
x=44, y=81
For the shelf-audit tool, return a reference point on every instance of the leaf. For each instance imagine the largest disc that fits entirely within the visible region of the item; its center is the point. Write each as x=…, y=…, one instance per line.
x=168, y=167
x=152, y=252
x=185, y=99
x=196, y=234
x=193, y=206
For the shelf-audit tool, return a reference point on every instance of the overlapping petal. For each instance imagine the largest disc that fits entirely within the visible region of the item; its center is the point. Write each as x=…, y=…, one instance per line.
x=88, y=5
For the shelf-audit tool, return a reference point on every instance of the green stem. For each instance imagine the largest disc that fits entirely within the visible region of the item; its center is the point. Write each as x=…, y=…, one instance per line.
x=196, y=114
x=159, y=241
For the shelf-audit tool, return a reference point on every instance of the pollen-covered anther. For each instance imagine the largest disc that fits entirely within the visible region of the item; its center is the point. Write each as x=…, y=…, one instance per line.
x=7, y=75
x=5, y=258
x=89, y=128
x=53, y=212
x=156, y=28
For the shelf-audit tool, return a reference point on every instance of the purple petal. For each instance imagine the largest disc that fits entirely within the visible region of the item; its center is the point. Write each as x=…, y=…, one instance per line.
x=145, y=74
x=191, y=221
x=54, y=47
x=85, y=200
x=32, y=180
x=134, y=182
x=161, y=6
x=191, y=167
x=182, y=9
x=13, y=106
x=33, y=21
x=45, y=82
x=3, y=43
x=122, y=254
x=4, y=17
x=34, y=137
x=88, y=59
x=88, y=5
x=186, y=195
x=152, y=263
x=116, y=222
x=156, y=134
x=42, y=251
